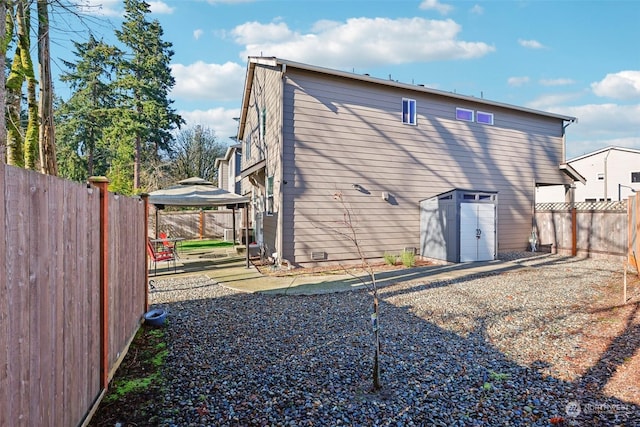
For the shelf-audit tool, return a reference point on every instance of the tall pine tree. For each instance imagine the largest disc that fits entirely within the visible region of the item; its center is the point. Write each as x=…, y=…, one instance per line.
x=144, y=82
x=81, y=121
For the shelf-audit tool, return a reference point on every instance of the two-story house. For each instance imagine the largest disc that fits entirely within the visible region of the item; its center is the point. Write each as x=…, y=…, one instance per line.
x=309, y=132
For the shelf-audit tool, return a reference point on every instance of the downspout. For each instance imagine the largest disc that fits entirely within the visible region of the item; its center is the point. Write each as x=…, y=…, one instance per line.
x=572, y=191
x=606, y=179
x=280, y=220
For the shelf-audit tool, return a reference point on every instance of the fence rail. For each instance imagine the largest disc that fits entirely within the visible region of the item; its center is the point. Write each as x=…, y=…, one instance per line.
x=55, y=253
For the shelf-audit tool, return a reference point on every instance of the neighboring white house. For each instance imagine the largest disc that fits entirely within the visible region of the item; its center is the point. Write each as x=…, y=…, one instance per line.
x=229, y=168
x=611, y=174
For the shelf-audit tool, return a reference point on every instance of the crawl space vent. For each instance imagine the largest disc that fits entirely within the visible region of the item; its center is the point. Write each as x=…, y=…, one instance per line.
x=318, y=256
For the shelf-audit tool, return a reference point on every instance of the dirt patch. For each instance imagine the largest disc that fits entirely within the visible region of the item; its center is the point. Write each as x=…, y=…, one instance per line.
x=611, y=357
x=137, y=385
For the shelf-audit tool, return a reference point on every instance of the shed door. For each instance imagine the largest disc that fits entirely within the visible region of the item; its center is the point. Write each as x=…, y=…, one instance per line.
x=477, y=232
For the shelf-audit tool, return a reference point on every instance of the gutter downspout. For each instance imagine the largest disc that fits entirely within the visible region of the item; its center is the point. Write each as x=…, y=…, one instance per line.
x=280, y=219
x=606, y=180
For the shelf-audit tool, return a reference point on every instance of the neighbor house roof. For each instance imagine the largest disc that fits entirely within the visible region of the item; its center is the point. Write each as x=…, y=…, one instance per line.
x=602, y=150
x=274, y=62
x=227, y=155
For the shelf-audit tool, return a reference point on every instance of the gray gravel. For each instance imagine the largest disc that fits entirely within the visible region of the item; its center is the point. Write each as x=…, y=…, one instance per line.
x=478, y=351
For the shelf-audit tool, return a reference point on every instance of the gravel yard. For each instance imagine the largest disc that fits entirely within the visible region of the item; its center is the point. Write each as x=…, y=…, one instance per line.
x=500, y=349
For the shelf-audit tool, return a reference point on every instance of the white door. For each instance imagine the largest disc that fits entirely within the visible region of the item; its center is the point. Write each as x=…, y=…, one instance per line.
x=477, y=232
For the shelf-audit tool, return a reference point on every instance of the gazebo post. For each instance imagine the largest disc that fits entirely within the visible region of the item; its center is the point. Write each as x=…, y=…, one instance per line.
x=246, y=231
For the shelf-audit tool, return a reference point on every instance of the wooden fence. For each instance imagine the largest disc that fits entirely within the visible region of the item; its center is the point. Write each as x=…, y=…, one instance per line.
x=588, y=229
x=72, y=294
x=195, y=224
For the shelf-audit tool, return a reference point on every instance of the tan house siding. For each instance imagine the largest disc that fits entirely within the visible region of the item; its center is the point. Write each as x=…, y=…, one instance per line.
x=338, y=132
x=223, y=175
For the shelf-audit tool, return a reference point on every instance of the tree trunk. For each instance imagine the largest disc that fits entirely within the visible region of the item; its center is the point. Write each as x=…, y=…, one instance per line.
x=14, y=83
x=46, y=130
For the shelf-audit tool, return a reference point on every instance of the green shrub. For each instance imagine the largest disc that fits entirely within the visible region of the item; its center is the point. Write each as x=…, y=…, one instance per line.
x=408, y=259
x=390, y=258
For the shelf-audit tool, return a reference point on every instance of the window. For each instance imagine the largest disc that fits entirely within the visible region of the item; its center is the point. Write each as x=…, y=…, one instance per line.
x=635, y=176
x=600, y=176
x=484, y=118
x=269, y=196
x=464, y=114
x=263, y=124
x=247, y=147
x=409, y=111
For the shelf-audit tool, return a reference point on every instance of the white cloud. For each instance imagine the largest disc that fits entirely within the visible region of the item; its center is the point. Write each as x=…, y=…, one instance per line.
x=441, y=8
x=360, y=42
x=517, y=81
x=114, y=8
x=477, y=10
x=160, y=7
x=531, y=44
x=229, y=1
x=556, y=82
x=621, y=85
x=101, y=7
x=598, y=126
x=215, y=82
x=197, y=34
x=252, y=33
x=220, y=120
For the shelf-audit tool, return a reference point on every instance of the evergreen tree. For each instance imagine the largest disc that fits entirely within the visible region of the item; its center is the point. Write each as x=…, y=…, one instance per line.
x=82, y=120
x=144, y=82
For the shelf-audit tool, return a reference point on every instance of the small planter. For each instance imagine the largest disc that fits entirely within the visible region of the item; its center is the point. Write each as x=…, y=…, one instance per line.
x=155, y=317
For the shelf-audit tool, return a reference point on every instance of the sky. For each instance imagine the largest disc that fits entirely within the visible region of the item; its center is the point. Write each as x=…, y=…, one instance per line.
x=573, y=57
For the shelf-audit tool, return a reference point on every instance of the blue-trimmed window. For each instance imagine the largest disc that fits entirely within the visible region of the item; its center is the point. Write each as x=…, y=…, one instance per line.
x=464, y=114
x=484, y=118
x=408, y=111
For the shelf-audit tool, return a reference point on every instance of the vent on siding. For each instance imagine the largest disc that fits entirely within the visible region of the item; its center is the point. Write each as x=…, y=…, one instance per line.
x=409, y=249
x=318, y=256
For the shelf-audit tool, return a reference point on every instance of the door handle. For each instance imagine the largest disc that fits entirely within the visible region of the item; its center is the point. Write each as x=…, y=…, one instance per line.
x=478, y=233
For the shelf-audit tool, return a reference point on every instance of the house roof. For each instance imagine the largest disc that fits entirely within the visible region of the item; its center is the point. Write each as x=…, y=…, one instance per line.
x=602, y=150
x=227, y=155
x=284, y=64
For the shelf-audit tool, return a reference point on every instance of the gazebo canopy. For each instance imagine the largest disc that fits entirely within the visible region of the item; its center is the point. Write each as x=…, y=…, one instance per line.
x=195, y=192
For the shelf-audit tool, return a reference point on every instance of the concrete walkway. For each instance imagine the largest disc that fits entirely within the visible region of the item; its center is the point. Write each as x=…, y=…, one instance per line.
x=230, y=270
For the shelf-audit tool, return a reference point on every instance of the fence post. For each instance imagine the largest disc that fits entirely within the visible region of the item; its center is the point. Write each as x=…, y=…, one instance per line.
x=103, y=183
x=145, y=200
x=574, y=231
x=201, y=224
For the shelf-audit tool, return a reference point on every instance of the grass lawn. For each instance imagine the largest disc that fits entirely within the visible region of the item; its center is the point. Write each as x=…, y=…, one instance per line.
x=198, y=245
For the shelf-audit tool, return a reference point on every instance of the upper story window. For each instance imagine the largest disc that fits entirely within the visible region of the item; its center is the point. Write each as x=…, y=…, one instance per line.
x=484, y=118
x=270, y=205
x=247, y=147
x=408, y=111
x=464, y=114
x=635, y=176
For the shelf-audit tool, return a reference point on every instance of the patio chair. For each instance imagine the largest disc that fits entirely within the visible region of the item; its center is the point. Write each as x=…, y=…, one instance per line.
x=169, y=245
x=158, y=256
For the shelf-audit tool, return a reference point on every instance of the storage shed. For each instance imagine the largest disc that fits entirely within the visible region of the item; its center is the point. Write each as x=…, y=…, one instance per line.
x=459, y=226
